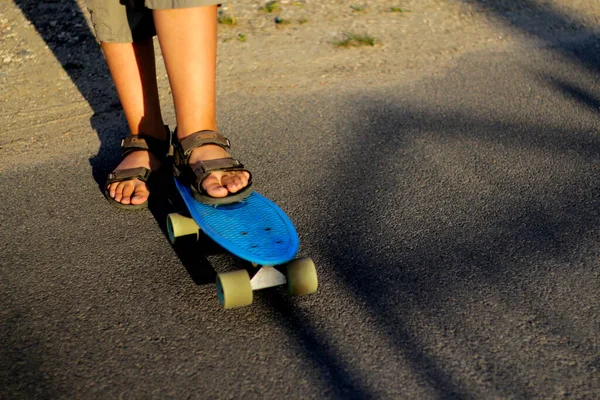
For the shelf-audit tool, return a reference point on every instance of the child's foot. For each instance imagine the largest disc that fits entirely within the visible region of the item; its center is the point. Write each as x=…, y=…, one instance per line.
x=219, y=183
x=133, y=191
x=126, y=186
x=203, y=161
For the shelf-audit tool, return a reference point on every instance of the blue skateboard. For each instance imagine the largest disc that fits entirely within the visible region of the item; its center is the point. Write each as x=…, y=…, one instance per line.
x=255, y=230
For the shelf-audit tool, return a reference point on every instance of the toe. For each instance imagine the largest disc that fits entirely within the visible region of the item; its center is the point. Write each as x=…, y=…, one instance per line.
x=118, y=188
x=138, y=199
x=141, y=194
x=236, y=181
x=128, y=188
x=129, y=192
x=231, y=182
x=212, y=185
x=112, y=190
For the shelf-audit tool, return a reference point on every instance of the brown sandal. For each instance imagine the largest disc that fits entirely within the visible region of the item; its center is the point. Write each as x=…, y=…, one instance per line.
x=194, y=178
x=159, y=148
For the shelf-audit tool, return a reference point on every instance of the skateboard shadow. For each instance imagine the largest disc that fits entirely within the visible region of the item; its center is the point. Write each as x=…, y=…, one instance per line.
x=194, y=253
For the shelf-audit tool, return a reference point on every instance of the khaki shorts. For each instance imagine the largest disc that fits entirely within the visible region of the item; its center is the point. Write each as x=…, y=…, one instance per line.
x=126, y=21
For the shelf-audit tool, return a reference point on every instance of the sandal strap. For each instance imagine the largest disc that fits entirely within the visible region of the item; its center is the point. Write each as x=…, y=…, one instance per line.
x=158, y=147
x=202, y=138
x=140, y=173
x=205, y=168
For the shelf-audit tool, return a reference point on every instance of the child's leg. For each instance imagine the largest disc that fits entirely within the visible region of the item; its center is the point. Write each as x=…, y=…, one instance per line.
x=133, y=70
x=188, y=39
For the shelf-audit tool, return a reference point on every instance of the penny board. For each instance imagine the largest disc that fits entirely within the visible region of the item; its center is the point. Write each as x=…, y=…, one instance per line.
x=254, y=229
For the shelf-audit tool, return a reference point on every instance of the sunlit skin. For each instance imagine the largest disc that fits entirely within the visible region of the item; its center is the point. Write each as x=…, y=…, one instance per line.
x=188, y=41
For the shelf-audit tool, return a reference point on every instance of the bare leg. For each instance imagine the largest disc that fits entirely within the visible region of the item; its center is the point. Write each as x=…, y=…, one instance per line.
x=133, y=70
x=188, y=39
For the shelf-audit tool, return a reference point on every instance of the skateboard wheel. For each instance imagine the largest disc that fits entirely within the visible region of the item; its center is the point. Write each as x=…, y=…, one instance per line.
x=178, y=226
x=301, y=277
x=234, y=289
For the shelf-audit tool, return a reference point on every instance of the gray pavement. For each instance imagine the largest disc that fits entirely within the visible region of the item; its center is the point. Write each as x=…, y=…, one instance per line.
x=454, y=222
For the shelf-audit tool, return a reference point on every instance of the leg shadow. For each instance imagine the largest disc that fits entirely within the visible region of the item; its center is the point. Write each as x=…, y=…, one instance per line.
x=64, y=28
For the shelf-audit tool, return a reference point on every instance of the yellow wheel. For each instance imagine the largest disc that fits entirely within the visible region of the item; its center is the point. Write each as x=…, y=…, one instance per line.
x=234, y=289
x=301, y=277
x=178, y=226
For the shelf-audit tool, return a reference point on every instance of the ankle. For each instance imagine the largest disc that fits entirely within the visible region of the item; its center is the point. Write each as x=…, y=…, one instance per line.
x=155, y=129
x=208, y=152
x=185, y=131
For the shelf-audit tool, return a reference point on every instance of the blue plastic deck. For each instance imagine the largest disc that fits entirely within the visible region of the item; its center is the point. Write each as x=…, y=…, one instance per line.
x=254, y=229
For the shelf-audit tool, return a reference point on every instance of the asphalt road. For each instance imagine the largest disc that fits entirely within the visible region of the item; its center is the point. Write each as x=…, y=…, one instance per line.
x=454, y=222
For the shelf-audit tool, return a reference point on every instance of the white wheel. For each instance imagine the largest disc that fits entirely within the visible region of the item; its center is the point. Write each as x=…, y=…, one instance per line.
x=178, y=226
x=301, y=277
x=234, y=289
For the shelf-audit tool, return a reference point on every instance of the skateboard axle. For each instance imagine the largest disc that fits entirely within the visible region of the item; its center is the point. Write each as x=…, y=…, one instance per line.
x=267, y=277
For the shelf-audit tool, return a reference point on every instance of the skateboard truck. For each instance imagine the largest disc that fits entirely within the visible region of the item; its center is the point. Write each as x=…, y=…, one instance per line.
x=267, y=277
x=235, y=288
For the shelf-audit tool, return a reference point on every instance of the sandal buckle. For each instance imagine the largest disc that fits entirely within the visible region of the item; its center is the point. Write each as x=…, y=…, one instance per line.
x=146, y=175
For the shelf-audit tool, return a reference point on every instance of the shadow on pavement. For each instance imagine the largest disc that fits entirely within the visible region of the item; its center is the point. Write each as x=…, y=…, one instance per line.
x=432, y=254
x=444, y=242
x=461, y=204
x=63, y=26
x=343, y=384
x=193, y=252
x=573, y=91
x=553, y=27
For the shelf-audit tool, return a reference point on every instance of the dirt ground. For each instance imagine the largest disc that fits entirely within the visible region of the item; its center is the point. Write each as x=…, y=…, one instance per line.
x=53, y=77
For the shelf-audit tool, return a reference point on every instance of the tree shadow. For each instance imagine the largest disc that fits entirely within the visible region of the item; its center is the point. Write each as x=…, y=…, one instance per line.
x=401, y=255
x=416, y=249
x=574, y=91
x=332, y=368
x=562, y=33
x=407, y=237
x=552, y=26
